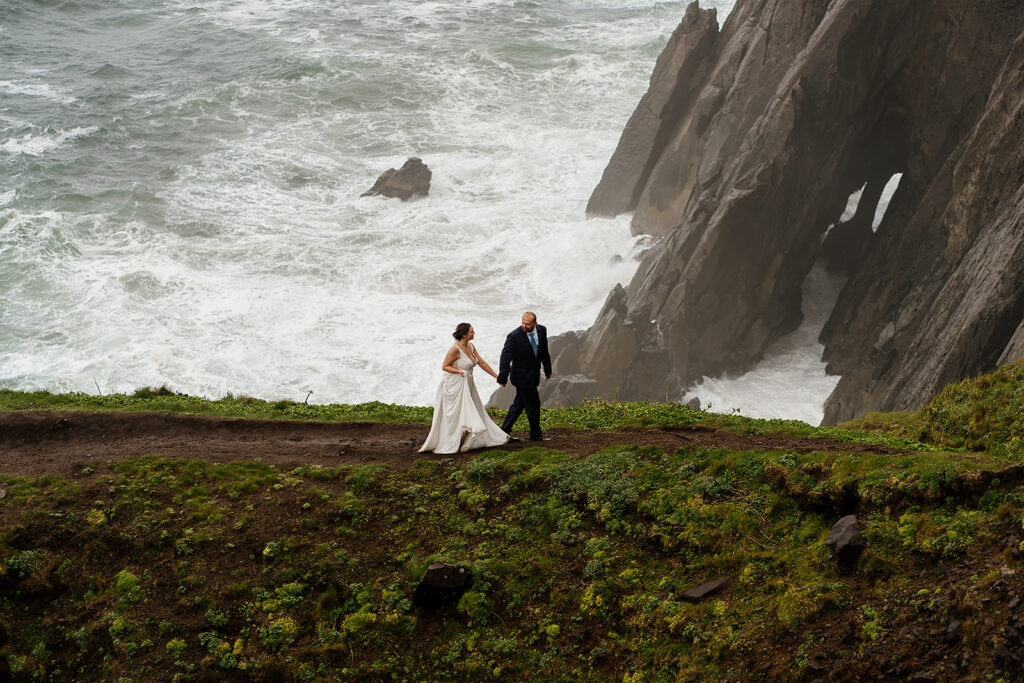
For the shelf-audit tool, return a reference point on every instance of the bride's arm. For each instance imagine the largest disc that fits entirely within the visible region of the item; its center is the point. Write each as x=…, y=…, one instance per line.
x=483, y=364
x=449, y=362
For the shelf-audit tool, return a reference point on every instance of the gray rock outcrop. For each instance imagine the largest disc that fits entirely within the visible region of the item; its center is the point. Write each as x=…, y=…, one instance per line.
x=743, y=154
x=412, y=180
x=845, y=541
x=680, y=69
x=501, y=398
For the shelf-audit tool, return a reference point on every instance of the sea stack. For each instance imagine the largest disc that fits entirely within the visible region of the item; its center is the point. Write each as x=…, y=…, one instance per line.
x=412, y=180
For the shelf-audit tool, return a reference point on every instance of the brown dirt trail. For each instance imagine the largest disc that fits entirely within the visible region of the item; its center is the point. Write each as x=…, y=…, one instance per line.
x=63, y=442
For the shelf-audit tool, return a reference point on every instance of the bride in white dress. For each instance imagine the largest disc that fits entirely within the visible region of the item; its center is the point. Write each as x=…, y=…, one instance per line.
x=460, y=421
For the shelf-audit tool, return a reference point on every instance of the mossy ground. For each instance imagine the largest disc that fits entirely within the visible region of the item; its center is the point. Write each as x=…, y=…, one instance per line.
x=155, y=568
x=984, y=413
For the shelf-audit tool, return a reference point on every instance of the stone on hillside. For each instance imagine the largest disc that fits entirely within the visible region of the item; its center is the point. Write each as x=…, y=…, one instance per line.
x=441, y=584
x=708, y=589
x=845, y=540
x=1012, y=545
x=412, y=180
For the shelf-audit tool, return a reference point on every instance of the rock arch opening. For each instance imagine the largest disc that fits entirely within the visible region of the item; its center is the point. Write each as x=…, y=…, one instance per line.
x=888, y=192
x=846, y=240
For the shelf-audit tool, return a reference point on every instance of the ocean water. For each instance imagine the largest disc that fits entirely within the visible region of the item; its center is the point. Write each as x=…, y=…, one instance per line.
x=180, y=186
x=790, y=383
x=180, y=189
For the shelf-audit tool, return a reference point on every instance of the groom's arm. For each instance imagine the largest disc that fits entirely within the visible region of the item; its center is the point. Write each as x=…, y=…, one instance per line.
x=505, y=363
x=545, y=355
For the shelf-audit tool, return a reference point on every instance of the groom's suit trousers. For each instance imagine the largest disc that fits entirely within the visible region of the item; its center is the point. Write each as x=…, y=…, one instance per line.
x=528, y=399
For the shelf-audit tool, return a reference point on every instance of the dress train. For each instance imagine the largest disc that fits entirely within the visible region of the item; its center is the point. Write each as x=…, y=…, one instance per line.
x=460, y=421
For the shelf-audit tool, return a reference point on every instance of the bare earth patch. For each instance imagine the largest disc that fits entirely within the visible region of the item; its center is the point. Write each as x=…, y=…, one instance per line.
x=62, y=442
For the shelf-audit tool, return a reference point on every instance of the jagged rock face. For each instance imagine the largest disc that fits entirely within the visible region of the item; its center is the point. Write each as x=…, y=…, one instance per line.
x=678, y=74
x=742, y=163
x=946, y=290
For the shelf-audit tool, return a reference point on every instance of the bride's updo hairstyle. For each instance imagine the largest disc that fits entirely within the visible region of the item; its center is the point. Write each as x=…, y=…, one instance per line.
x=461, y=331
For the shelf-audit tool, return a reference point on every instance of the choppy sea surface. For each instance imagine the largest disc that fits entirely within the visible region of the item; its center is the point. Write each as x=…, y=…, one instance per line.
x=180, y=188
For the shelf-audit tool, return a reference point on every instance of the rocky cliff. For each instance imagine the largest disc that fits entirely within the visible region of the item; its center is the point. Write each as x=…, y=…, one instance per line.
x=741, y=158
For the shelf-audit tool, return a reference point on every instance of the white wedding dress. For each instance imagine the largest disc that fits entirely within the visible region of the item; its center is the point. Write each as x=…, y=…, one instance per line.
x=460, y=421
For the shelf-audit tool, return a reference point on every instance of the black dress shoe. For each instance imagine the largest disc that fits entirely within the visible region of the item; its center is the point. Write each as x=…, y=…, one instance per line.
x=540, y=438
x=513, y=439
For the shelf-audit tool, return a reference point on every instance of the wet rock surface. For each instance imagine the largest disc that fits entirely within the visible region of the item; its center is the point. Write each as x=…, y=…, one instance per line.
x=412, y=180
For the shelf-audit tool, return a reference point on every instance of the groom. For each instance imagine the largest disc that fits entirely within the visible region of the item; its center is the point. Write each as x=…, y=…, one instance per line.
x=525, y=351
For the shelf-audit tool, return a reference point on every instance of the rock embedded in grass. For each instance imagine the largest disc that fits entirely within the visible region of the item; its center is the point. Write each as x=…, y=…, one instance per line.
x=708, y=589
x=441, y=584
x=845, y=541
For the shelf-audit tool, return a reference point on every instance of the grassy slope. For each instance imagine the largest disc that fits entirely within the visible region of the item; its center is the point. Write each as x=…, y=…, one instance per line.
x=155, y=568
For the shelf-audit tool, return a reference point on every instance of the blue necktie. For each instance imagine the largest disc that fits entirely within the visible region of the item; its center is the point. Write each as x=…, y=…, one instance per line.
x=533, y=343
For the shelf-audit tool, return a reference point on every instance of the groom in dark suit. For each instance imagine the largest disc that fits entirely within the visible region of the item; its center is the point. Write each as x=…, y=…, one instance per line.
x=525, y=351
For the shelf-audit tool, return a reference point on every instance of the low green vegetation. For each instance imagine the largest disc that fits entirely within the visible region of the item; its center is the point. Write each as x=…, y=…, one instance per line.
x=165, y=569
x=166, y=401
x=156, y=568
x=985, y=413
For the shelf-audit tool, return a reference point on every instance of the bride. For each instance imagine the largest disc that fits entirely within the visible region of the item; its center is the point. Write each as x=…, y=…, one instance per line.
x=460, y=421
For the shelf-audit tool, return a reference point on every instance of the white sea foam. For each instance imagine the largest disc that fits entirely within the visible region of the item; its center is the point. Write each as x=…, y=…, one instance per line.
x=883, y=201
x=34, y=144
x=790, y=382
x=36, y=90
x=223, y=244
x=381, y=283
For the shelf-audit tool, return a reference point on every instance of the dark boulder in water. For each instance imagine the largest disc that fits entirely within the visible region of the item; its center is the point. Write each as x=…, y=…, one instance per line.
x=744, y=152
x=412, y=180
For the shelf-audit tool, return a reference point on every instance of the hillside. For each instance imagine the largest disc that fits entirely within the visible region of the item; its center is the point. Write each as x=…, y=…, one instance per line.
x=159, y=536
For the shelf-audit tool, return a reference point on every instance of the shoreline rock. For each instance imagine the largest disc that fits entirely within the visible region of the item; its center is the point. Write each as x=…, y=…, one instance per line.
x=412, y=180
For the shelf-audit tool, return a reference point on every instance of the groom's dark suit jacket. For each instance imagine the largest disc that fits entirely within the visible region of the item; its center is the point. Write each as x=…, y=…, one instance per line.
x=518, y=363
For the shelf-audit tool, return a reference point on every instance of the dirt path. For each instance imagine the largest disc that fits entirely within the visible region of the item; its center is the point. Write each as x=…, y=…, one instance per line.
x=51, y=442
